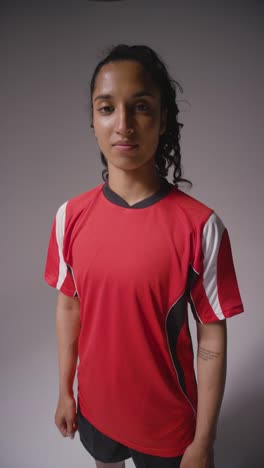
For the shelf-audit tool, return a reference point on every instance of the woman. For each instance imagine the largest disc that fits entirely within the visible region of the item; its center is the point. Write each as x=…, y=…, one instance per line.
x=127, y=257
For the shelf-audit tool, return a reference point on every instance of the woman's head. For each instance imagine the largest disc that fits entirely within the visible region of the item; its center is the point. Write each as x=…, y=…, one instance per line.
x=149, y=120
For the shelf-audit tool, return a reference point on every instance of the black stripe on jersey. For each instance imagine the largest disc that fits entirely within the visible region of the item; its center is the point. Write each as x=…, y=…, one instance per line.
x=174, y=324
x=196, y=316
x=70, y=270
x=175, y=321
x=192, y=277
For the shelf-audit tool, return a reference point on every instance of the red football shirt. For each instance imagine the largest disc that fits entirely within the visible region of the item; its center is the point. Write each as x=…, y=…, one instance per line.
x=135, y=269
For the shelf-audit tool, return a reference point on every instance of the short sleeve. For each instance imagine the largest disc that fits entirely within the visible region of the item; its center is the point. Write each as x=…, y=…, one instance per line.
x=57, y=273
x=215, y=293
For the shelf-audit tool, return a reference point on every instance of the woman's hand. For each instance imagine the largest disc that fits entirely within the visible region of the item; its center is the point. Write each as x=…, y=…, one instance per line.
x=196, y=456
x=65, y=416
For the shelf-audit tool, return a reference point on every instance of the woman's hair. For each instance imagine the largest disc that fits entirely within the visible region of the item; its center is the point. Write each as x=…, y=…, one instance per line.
x=168, y=150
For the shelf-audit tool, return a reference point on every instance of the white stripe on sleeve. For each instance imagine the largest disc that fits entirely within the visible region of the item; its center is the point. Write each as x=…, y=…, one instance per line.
x=212, y=235
x=60, y=229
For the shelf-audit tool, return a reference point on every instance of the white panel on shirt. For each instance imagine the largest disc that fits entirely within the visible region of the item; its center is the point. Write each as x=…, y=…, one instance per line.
x=212, y=236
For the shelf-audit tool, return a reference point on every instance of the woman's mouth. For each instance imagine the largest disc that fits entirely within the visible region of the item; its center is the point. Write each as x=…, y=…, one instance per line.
x=125, y=147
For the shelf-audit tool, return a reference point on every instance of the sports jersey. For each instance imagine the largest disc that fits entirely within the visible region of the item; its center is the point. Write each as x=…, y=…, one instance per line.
x=135, y=269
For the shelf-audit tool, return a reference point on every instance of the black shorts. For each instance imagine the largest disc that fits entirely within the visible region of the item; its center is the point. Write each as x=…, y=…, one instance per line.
x=107, y=450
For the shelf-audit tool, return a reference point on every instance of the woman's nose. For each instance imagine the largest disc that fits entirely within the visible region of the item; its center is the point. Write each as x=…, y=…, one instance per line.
x=124, y=120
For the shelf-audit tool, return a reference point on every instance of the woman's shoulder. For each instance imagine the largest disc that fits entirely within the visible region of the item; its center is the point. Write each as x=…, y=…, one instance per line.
x=71, y=209
x=192, y=206
x=82, y=199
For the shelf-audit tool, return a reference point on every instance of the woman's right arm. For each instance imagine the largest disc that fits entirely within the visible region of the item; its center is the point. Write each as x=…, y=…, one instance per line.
x=67, y=331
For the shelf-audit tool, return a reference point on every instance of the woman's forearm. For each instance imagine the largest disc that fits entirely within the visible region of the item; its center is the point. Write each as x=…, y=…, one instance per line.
x=211, y=378
x=67, y=330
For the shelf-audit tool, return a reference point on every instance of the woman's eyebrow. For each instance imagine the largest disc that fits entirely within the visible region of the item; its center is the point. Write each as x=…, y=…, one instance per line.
x=138, y=94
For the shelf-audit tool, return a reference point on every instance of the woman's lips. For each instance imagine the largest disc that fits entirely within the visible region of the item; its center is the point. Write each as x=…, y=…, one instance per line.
x=126, y=147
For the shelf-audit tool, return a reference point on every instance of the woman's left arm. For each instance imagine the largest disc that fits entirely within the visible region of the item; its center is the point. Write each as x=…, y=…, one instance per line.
x=211, y=377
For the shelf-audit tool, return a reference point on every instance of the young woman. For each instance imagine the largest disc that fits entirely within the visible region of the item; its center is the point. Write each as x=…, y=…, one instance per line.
x=127, y=257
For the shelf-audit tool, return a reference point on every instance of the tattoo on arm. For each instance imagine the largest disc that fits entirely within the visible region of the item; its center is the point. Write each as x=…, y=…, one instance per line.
x=206, y=354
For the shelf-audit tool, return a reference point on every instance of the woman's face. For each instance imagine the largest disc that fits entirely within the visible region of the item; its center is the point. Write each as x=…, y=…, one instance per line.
x=121, y=115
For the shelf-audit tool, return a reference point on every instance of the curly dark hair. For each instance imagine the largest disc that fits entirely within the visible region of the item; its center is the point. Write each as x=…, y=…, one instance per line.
x=168, y=150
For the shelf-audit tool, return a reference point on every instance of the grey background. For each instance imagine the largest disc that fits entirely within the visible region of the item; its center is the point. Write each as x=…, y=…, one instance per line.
x=49, y=154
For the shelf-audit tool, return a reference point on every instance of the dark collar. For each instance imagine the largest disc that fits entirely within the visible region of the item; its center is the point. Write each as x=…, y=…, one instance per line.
x=112, y=196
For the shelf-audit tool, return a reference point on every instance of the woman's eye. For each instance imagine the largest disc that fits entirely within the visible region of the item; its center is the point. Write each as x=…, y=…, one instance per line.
x=142, y=105
x=105, y=109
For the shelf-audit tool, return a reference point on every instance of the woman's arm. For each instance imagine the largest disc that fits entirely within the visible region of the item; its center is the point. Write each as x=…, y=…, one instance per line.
x=211, y=376
x=67, y=330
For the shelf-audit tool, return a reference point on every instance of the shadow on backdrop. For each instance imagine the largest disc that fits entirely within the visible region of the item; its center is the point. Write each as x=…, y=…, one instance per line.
x=240, y=431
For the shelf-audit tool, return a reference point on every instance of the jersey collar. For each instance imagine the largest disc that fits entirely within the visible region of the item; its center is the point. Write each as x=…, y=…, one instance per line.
x=113, y=197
